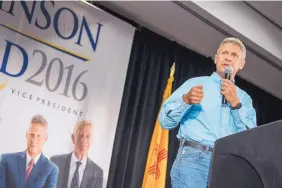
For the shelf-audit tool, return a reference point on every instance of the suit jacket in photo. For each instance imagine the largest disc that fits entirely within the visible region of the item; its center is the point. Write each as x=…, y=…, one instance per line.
x=92, y=176
x=13, y=171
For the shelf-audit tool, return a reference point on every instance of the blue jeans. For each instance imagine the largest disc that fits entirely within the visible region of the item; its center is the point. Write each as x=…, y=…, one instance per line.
x=190, y=168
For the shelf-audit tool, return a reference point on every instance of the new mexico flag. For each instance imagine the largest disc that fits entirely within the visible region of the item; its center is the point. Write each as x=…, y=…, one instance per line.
x=155, y=172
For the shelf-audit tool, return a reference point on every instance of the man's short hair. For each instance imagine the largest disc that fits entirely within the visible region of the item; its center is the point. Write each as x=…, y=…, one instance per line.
x=39, y=119
x=234, y=41
x=79, y=125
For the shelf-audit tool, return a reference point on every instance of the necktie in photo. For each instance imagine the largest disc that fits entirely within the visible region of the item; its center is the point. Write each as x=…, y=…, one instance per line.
x=75, y=178
x=29, y=169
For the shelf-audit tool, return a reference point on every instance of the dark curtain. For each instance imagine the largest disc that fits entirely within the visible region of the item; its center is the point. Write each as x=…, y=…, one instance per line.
x=147, y=75
x=267, y=106
x=148, y=71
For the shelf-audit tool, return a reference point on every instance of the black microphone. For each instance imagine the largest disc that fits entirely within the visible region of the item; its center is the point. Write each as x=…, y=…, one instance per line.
x=227, y=75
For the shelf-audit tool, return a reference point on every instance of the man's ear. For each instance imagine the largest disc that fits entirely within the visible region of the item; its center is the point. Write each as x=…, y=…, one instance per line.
x=72, y=138
x=215, y=58
x=242, y=64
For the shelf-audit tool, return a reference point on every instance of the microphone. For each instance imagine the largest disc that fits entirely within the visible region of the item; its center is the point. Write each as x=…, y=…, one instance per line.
x=227, y=75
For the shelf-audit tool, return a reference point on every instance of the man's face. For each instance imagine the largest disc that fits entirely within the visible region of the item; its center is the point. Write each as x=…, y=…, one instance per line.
x=229, y=55
x=82, y=140
x=36, y=137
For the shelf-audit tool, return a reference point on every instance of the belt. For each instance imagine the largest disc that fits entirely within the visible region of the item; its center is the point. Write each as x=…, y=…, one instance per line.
x=197, y=145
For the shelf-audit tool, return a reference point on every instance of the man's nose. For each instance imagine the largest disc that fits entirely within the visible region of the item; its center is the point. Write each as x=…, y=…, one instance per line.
x=228, y=58
x=83, y=139
x=34, y=139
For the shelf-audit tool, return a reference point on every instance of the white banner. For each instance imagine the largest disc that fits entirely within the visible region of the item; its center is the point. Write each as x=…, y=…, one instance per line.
x=66, y=61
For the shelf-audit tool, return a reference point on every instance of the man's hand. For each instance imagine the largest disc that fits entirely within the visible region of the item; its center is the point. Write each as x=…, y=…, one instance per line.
x=194, y=96
x=228, y=89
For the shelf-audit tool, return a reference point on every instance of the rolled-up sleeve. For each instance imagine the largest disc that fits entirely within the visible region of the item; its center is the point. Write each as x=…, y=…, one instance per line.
x=245, y=117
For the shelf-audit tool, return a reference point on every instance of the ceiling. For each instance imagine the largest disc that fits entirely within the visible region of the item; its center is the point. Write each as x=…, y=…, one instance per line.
x=193, y=27
x=270, y=9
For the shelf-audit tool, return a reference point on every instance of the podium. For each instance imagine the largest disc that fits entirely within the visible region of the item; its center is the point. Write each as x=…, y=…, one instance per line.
x=249, y=159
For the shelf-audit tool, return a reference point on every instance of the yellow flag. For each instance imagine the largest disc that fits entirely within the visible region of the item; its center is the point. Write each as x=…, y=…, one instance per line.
x=155, y=172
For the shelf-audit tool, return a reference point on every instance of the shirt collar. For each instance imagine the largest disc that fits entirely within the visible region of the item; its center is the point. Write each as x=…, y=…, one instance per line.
x=35, y=159
x=74, y=159
x=217, y=79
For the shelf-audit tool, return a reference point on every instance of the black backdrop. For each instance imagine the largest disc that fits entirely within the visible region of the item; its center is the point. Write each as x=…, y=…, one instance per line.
x=149, y=65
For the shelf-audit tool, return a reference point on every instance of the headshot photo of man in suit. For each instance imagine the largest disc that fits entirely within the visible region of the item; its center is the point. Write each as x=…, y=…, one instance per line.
x=77, y=170
x=30, y=168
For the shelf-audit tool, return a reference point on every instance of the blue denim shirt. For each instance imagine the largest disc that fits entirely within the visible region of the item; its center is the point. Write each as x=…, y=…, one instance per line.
x=208, y=121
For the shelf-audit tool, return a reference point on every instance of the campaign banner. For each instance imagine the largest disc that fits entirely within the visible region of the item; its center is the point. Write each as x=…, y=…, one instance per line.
x=66, y=61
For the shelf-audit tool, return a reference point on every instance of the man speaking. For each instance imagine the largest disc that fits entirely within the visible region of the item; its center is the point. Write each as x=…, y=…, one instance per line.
x=199, y=107
x=30, y=168
x=76, y=169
